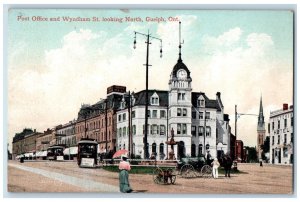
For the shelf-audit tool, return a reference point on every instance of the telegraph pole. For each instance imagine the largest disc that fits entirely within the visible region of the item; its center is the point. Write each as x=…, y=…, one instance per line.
x=235, y=133
x=148, y=36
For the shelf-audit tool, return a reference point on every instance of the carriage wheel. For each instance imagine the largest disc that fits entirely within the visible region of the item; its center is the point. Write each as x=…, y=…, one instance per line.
x=158, y=176
x=172, y=175
x=206, y=171
x=187, y=171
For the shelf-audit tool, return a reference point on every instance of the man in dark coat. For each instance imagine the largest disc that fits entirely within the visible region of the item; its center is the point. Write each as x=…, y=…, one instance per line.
x=227, y=163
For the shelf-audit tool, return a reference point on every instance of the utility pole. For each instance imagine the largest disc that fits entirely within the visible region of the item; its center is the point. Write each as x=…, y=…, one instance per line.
x=235, y=134
x=148, y=36
x=105, y=125
x=129, y=124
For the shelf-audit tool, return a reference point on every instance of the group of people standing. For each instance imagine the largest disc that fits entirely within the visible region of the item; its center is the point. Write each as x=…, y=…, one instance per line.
x=226, y=162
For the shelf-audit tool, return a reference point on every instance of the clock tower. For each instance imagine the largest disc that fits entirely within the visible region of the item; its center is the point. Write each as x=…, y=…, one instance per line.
x=180, y=107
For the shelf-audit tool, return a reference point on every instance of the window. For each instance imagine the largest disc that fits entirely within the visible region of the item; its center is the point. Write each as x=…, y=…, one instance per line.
x=207, y=115
x=292, y=121
x=194, y=115
x=285, y=123
x=143, y=129
x=124, y=117
x=272, y=125
x=201, y=115
x=154, y=99
x=200, y=149
x=278, y=125
x=124, y=131
x=273, y=140
x=181, y=96
x=201, y=102
x=161, y=148
x=154, y=148
x=184, y=112
x=149, y=113
x=285, y=139
x=133, y=114
x=162, y=114
x=194, y=130
x=292, y=137
x=178, y=112
x=184, y=128
x=200, y=130
x=134, y=129
x=278, y=140
x=208, y=131
x=154, y=114
x=120, y=132
x=207, y=147
x=193, y=150
x=285, y=152
x=155, y=129
x=162, y=130
x=178, y=128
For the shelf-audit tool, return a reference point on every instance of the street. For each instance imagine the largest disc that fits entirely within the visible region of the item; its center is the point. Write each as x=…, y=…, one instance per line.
x=66, y=176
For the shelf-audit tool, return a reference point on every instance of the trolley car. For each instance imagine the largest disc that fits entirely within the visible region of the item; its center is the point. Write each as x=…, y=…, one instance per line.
x=87, y=153
x=55, y=153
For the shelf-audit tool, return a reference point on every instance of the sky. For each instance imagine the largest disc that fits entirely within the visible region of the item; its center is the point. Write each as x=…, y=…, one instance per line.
x=55, y=66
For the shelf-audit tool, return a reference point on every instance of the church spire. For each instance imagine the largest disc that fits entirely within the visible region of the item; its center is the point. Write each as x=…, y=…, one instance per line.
x=261, y=119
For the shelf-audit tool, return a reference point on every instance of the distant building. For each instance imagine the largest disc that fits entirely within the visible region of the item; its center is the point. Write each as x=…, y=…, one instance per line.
x=25, y=143
x=282, y=135
x=65, y=134
x=240, y=151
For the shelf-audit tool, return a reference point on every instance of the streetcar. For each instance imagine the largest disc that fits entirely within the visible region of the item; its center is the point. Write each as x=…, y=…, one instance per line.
x=55, y=153
x=87, y=153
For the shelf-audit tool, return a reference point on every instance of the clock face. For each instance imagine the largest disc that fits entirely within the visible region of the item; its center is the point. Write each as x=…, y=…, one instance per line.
x=181, y=74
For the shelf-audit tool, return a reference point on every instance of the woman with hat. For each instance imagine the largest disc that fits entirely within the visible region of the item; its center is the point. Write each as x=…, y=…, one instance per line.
x=124, y=167
x=215, y=164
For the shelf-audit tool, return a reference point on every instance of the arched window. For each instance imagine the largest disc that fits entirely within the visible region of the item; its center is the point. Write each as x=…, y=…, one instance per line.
x=200, y=149
x=208, y=131
x=161, y=148
x=207, y=147
x=193, y=150
x=124, y=131
x=154, y=148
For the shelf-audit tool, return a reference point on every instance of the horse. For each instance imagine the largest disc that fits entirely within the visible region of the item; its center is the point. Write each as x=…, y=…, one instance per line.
x=226, y=163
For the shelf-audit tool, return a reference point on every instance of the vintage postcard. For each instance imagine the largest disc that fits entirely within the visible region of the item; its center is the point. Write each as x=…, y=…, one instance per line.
x=147, y=101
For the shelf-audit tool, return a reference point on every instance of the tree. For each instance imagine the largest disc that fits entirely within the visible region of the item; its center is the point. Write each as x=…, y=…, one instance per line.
x=265, y=148
x=251, y=154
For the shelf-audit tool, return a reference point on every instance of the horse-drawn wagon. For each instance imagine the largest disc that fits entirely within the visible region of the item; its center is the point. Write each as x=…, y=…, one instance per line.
x=194, y=167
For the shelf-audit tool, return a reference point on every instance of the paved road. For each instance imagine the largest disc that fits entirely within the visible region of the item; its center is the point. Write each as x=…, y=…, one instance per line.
x=46, y=176
x=75, y=181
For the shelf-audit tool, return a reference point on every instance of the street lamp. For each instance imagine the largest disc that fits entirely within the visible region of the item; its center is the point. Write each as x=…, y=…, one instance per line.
x=148, y=36
x=238, y=115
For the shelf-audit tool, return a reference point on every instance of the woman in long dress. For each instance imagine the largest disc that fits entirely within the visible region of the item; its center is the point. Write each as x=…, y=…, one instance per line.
x=124, y=167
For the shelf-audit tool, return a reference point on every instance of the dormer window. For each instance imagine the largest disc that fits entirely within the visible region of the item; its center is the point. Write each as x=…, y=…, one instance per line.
x=123, y=103
x=201, y=102
x=154, y=99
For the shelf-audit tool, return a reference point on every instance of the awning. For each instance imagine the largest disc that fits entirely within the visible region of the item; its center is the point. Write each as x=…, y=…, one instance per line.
x=67, y=151
x=73, y=150
x=44, y=153
x=26, y=154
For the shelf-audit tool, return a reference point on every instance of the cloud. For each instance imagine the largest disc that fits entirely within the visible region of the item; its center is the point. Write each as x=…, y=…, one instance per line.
x=222, y=42
x=242, y=68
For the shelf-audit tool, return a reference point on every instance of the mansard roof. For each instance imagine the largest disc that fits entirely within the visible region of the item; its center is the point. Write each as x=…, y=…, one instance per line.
x=213, y=104
x=140, y=97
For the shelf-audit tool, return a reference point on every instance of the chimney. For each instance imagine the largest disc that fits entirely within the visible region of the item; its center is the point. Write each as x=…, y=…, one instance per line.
x=285, y=106
x=218, y=95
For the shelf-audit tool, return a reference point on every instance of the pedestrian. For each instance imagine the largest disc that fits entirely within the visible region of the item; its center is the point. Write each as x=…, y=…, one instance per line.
x=215, y=164
x=124, y=167
x=227, y=163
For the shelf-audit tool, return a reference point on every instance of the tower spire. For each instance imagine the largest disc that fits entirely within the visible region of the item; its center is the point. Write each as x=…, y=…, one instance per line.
x=261, y=121
x=179, y=59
